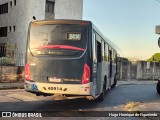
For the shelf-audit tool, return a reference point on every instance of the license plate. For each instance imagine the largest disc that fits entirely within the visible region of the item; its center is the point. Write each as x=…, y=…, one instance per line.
x=54, y=79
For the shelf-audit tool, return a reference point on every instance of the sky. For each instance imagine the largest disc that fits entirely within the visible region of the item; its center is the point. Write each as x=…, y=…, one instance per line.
x=129, y=24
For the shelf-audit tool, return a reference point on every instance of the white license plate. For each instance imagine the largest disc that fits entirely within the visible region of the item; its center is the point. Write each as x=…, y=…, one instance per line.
x=54, y=79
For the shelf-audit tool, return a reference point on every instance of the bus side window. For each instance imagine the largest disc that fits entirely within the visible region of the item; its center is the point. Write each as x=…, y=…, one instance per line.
x=99, y=52
x=115, y=60
x=103, y=50
x=99, y=48
x=94, y=47
x=110, y=55
x=106, y=52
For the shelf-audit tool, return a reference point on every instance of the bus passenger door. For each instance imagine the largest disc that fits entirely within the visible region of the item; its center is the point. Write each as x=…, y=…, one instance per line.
x=110, y=66
x=99, y=66
x=97, y=60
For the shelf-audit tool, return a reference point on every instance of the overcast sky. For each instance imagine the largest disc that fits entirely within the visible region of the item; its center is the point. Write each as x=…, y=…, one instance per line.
x=130, y=24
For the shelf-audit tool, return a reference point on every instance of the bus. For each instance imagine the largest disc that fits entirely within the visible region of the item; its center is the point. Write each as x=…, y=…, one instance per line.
x=69, y=58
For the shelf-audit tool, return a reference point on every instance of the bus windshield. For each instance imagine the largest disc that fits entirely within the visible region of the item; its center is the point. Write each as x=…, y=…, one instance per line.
x=55, y=37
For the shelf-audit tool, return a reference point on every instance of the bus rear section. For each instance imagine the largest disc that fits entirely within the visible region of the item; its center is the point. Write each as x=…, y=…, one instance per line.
x=58, y=58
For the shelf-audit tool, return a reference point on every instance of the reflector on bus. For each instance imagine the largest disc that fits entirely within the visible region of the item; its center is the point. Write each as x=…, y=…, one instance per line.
x=27, y=71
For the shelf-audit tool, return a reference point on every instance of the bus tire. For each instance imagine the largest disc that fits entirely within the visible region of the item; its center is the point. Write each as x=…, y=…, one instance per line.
x=102, y=95
x=158, y=87
x=115, y=82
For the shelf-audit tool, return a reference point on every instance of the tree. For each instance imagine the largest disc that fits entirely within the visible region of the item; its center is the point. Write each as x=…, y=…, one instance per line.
x=154, y=58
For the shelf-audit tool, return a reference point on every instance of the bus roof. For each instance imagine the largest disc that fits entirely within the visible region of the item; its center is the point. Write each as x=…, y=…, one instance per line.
x=60, y=21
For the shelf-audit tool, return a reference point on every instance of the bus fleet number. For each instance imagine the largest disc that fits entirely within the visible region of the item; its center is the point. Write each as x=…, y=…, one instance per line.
x=55, y=88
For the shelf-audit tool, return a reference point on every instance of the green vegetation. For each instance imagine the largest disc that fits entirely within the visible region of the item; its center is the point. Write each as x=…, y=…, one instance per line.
x=154, y=58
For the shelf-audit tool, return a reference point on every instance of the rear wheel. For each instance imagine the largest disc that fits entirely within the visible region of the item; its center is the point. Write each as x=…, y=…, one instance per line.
x=115, y=82
x=102, y=95
x=158, y=88
x=158, y=91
